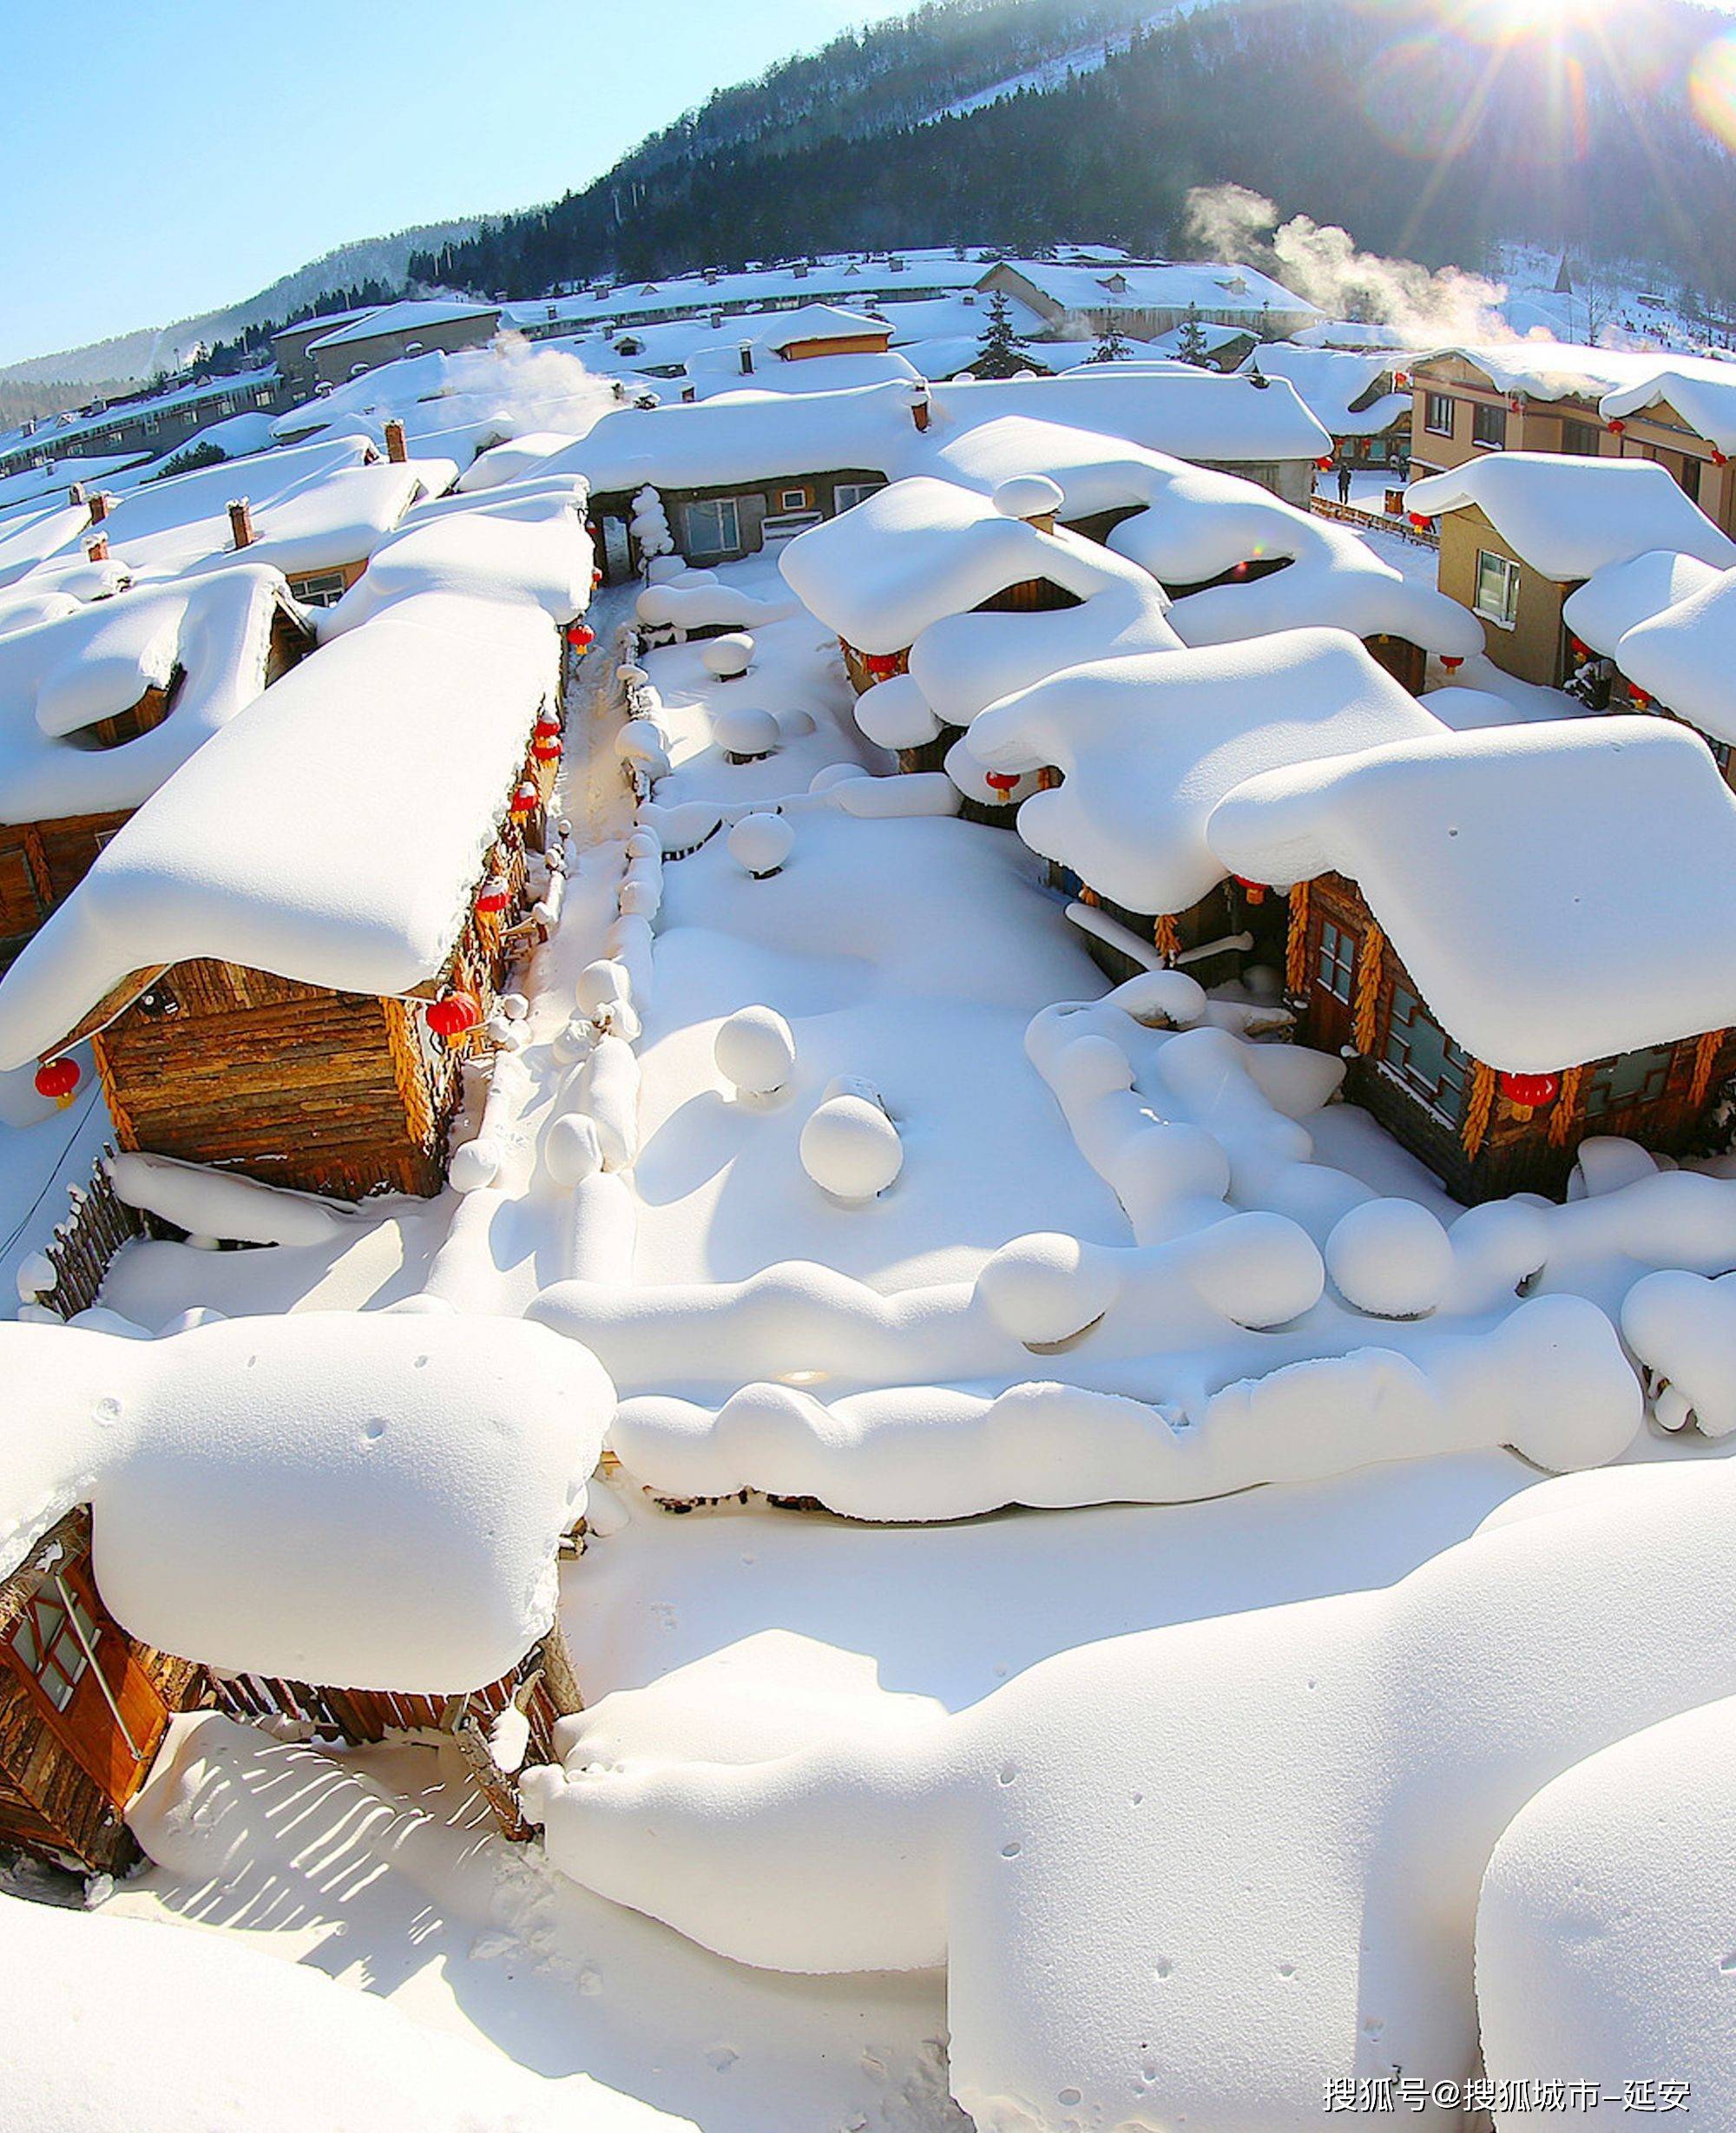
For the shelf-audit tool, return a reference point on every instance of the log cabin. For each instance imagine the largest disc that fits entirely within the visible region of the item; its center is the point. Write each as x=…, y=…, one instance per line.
x=282, y=986
x=99, y=707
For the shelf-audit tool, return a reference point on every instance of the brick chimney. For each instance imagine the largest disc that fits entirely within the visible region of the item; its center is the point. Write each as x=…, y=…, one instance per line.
x=396, y=450
x=746, y=352
x=919, y=405
x=97, y=550
x=99, y=506
x=242, y=522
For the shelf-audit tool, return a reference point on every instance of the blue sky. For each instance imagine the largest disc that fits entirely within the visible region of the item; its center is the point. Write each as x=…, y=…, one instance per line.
x=159, y=158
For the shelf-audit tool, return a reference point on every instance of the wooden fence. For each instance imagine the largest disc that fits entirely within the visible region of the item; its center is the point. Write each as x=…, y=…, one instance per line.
x=84, y=1245
x=1376, y=522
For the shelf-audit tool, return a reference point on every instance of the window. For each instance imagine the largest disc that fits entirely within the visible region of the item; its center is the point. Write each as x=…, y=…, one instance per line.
x=848, y=495
x=1488, y=426
x=1581, y=440
x=47, y=1642
x=713, y=529
x=1425, y=1057
x=1497, y=590
x=1690, y=479
x=1336, y=960
x=792, y=499
x=1437, y=414
x=323, y=589
x=1635, y=1077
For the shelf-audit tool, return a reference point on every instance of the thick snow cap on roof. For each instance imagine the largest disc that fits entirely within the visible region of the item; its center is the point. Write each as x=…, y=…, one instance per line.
x=501, y=546
x=1685, y=656
x=1332, y=381
x=1613, y=599
x=815, y=322
x=881, y=573
x=370, y=1501
x=208, y=639
x=1558, y=892
x=418, y=721
x=1567, y=516
x=1149, y=745
x=410, y=317
x=1209, y=285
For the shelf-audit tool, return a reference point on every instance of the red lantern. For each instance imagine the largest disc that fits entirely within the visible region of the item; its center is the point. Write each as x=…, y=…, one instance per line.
x=1617, y=427
x=580, y=638
x=1642, y=701
x=452, y=1014
x=58, y=1078
x=1576, y=648
x=546, y=750
x=1720, y=458
x=597, y=579
x=1254, y=891
x=1325, y=463
x=1401, y=381
x=525, y=803
x=1418, y=520
x=1451, y=666
x=495, y=895
x=1529, y=1092
x=548, y=723
x=1003, y=782
x=881, y=664
x=1515, y=402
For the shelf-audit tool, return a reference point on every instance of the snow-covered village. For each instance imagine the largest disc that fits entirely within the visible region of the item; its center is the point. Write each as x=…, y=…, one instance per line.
x=868, y=1111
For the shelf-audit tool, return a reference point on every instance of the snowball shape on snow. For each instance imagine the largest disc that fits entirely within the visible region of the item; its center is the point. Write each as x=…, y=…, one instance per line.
x=1162, y=1000
x=1047, y=1289
x=728, y=657
x=632, y=677
x=575, y=1042
x=1389, y=1258
x=746, y=735
x=641, y=741
x=640, y=899
x=644, y=844
x=835, y=775
x=755, y=1051
x=1029, y=495
x=572, y=1149
x=760, y=843
x=797, y=725
x=664, y=569
x=37, y=1275
x=850, y=1148
x=601, y=982
x=475, y=1166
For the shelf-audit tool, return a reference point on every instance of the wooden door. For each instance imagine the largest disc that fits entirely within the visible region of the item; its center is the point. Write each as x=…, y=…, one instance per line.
x=1335, y=947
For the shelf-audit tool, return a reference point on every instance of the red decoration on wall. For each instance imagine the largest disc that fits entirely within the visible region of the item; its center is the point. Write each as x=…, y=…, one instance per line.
x=58, y=1078
x=525, y=801
x=581, y=636
x=1451, y=665
x=495, y=895
x=453, y=1013
x=1529, y=1092
x=1003, y=782
x=1617, y=427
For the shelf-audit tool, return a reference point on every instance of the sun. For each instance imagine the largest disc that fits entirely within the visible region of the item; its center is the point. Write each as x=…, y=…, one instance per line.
x=1506, y=19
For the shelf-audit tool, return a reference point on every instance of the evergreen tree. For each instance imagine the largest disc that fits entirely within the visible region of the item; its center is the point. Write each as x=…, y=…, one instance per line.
x=1113, y=347
x=1190, y=343
x=1000, y=353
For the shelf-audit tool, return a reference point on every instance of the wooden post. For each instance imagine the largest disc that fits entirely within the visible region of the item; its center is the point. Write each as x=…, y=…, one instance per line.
x=562, y=1684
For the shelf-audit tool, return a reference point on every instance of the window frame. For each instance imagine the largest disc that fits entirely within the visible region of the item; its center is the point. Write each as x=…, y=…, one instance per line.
x=1605, y=1096
x=1443, y=1093
x=1486, y=415
x=1337, y=953
x=721, y=505
x=1506, y=616
x=858, y=492
x=46, y=1645
x=1433, y=402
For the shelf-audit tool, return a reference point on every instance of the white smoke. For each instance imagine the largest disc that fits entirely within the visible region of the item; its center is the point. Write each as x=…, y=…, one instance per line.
x=1431, y=308
x=526, y=387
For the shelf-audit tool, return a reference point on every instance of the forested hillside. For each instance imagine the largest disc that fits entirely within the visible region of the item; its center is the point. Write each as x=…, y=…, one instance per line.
x=1430, y=146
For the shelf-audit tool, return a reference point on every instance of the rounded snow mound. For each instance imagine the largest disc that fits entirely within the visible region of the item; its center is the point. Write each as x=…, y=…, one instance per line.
x=725, y=658
x=746, y=735
x=755, y=1051
x=760, y=843
x=1029, y=495
x=1046, y=1289
x=572, y=1149
x=834, y=774
x=1390, y=1259
x=475, y=1166
x=850, y=1148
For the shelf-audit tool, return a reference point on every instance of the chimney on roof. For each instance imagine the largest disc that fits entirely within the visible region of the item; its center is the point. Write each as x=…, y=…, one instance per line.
x=801, y=270
x=99, y=506
x=76, y=496
x=717, y=322
x=746, y=354
x=690, y=393
x=242, y=522
x=919, y=405
x=97, y=550
x=711, y=277
x=395, y=449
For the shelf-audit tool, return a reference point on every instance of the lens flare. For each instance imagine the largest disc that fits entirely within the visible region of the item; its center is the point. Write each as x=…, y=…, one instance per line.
x=1711, y=88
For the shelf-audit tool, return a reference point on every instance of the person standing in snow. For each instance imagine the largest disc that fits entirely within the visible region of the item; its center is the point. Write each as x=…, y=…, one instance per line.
x=1344, y=483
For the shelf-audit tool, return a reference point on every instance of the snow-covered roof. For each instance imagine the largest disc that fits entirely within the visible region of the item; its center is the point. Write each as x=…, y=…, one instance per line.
x=1558, y=892
x=61, y=678
x=1209, y=286
x=1567, y=516
x=881, y=573
x=411, y=317
x=502, y=546
x=1194, y=414
x=1622, y=381
x=717, y=371
x=1354, y=333
x=1685, y=655
x=419, y=720
x=1612, y=600
x=1149, y=745
x=1332, y=384
x=816, y=322
x=1192, y=524
x=36, y=484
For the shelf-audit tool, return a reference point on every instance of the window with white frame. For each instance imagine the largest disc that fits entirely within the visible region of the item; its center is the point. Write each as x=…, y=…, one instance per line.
x=1437, y=414
x=1338, y=960
x=713, y=528
x=1496, y=598
x=792, y=499
x=848, y=495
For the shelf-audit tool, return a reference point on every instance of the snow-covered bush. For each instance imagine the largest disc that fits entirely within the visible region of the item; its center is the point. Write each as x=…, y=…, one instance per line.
x=1389, y=1258
x=850, y=1148
x=649, y=524
x=746, y=735
x=755, y=1051
x=728, y=658
x=760, y=843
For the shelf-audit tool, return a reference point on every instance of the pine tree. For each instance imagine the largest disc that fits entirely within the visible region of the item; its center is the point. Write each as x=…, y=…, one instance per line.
x=1113, y=347
x=1000, y=352
x=1190, y=343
